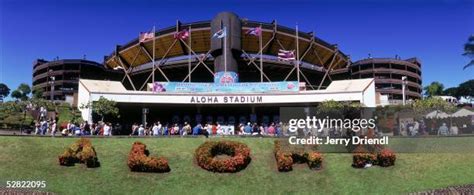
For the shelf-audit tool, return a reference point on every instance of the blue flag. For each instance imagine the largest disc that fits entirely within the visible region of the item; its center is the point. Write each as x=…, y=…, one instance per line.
x=221, y=33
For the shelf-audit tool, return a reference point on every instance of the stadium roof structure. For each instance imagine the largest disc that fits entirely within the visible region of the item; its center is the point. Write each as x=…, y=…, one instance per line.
x=312, y=50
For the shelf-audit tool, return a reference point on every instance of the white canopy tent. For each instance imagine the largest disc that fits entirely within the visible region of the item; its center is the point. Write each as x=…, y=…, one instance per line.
x=463, y=113
x=437, y=115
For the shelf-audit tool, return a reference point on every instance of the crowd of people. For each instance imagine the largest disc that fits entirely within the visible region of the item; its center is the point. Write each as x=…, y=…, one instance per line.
x=419, y=127
x=208, y=129
x=50, y=127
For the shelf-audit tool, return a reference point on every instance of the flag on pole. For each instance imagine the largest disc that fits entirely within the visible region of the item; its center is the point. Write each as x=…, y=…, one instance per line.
x=286, y=55
x=184, y=34
x=145, y=36
x=118, y=68
x=254, y=31
x=220, y=34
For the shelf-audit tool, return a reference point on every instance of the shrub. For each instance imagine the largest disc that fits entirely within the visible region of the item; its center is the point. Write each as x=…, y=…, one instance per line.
x=361, y=156
x=80, y=151
x=359, y=160
x=386, y=158
x=67, y=158
x=380, y=156
x=285, y=159
x=315, y=160
x=89, y=156
x=239, y=154
x=139, y=161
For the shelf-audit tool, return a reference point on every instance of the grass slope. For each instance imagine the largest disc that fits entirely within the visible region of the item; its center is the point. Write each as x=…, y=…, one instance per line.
x=35, y=158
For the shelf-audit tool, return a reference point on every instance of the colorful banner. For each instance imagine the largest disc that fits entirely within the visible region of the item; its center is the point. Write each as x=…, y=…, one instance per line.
x=250, y=87
x=226, y=77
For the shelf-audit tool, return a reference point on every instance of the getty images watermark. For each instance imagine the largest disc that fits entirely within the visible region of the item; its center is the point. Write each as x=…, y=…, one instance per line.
x=319, y=124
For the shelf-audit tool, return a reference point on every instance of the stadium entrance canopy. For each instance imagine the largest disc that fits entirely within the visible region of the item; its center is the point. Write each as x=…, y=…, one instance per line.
x=164, y=105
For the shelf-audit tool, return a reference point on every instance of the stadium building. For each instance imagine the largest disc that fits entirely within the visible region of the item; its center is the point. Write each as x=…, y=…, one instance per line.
x=228, y=70
x=59, y=79
x=388, y=73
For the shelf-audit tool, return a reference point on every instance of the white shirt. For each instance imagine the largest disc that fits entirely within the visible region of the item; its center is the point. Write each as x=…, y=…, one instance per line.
x=106, y=130
x=155, y=129
x=53, y=127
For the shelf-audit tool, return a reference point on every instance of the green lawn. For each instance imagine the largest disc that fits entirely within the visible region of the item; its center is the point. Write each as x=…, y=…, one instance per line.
x=35, y=158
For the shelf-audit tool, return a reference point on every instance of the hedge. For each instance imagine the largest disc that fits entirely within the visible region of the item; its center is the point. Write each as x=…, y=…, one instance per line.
x=381, y=156
x=239, y=154
x=140, y=161
x=81, y=151
x=286, y=159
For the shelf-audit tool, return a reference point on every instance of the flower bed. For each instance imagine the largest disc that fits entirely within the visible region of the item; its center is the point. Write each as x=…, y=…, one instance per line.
x=239, y=156
x=382, y=157
x=285, y=159
x=386, y=158
x=139, y=161
x=81, y=151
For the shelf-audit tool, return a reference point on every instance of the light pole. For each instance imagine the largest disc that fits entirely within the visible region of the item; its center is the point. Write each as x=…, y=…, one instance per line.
x=51, y=83
x=404, y=82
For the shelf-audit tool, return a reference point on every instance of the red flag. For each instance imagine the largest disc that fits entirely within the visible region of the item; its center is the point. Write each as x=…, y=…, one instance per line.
x=184, y=34
x=145, y=36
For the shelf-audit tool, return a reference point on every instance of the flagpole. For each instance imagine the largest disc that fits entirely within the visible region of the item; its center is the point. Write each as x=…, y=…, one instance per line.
x=297, y=56
x=189, y=54
x=261, y=54
x=153, y=73
x=225, y=50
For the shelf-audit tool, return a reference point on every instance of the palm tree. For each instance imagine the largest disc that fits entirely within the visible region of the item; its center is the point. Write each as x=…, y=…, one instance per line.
x=469, y=51
x=435, y=88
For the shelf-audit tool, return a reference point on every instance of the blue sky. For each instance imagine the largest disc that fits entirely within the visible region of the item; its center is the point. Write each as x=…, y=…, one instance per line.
x=432, y=30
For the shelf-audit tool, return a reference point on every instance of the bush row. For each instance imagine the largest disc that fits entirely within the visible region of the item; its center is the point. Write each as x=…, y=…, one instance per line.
x=285, y=159
x=383, y=157
x=81, y=151
x=239, y=156
x=140, y=161
x=207, y=157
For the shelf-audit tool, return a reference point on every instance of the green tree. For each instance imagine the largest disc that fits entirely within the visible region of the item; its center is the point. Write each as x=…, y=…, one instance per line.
x=22, y=92
x=103, y=107
x=38, y=93
x=469, y=51
x=4, y=90
x=452, y=91
x=466, y=89
x=424, y=106
x=17, y=95
x=435, y=88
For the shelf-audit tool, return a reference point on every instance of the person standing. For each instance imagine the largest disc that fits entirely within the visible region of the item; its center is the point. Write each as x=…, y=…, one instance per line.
x=186, y=129
x=107, y=129
x=37, y=127
x=443, y=130
x=87, y=128
x=141, y=131
x=219, y=129
x=196, y=129
x=160, y=128
x=134, y=129
x=53, y=128
x=155, y=129
x=44, y=127
x=247, y=129
x=454, y=129
x=271, y=129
